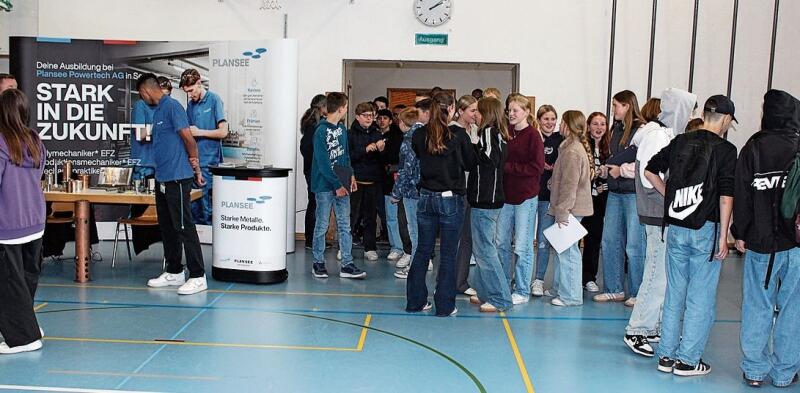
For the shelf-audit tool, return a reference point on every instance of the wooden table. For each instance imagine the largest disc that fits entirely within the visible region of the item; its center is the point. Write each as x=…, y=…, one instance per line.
x=83, y=201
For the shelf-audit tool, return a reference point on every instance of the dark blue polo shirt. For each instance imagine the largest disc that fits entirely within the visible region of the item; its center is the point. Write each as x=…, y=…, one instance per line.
x=172, y=161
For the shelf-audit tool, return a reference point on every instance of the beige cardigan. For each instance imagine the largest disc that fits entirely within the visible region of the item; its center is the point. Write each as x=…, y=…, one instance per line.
x=571, y=185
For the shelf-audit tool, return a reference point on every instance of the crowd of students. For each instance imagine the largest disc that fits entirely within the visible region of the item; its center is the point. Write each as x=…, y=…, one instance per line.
x=653, y=186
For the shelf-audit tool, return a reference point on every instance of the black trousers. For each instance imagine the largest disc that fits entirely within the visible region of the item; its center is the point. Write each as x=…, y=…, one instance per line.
x=464, y=253
x=20, y=265
x=591, y=244
x=177, y=227
x=362, y=205
x=402, y=221
x=311, y=215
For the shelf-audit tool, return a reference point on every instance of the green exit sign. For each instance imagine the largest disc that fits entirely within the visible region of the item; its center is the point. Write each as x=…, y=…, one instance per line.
x=431, y=39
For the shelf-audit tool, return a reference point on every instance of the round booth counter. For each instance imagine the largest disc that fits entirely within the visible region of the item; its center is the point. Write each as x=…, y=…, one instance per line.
x=249, y=228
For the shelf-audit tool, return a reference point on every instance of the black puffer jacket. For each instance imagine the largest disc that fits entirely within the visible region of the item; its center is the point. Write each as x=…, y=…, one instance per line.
x=760, y=175
x=367, y=167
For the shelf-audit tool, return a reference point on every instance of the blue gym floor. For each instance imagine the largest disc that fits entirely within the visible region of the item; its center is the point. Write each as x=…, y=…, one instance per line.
x=335, y=335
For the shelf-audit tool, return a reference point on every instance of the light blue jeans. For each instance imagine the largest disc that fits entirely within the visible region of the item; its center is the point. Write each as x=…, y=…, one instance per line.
x=488, y=279
x=341, y=206
x=569, y=277
x=392, y=225
x=543, y=222
x=622, y=234
x=781, y=359
x=410, y=207
x=691, y=293
x=518, y=220
x=201, y=208
x=646, y=316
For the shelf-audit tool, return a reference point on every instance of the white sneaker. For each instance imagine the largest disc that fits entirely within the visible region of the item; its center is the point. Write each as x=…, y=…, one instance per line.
x=537, y=288
x=471, y=292
x=6, y=350
x=402, y=273
x=609, y=297
x=591, y=286
x=430, y=265
x=395, y=255
x=404, y=261
x=339, y=255
x=519, y=299
x=558, y=302
x=193, y=285
x=550, y=293
x=371, y=255
x=167, y=280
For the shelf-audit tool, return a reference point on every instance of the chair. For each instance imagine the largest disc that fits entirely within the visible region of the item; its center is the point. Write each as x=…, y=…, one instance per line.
x=148, y=218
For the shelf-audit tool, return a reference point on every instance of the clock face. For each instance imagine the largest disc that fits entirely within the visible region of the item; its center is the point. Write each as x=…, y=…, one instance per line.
x=433, y=12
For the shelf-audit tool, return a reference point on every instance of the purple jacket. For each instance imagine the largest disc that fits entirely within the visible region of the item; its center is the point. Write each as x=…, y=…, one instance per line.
x=21, y=198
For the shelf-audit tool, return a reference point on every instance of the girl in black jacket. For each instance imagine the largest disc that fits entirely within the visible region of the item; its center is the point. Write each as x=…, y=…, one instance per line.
x=485, y=196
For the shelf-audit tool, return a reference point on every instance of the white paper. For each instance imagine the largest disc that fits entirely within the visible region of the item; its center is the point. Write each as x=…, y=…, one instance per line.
x=564, y=237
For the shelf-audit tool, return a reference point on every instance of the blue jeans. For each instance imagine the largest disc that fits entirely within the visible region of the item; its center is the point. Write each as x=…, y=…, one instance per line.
x=691, y=293
x=392, y=225
x=622, y=234
x=436, y=214
x=341, y=206
x=646, y=316
x=543, y=222
x=569, y=278
x=489, y=279
x=781, y=360
x=410, y=207
x=518, y=220
x=201, y=208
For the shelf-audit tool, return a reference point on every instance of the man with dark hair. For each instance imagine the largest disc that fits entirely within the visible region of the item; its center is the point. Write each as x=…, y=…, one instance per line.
x=698, y=200
x=7, y=81
x=366, y=144
x=141, y=146
x=209, y=128
x=380, y=103
x=477, y=93
x=176, y=167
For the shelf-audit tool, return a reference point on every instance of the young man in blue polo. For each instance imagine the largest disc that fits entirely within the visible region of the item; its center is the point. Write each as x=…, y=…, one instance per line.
x=332, y=182
x=141, y=144
x=177, y=167
x=209, y=128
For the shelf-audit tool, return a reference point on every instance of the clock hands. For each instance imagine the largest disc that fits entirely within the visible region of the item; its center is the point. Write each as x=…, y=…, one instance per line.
x=436, y=5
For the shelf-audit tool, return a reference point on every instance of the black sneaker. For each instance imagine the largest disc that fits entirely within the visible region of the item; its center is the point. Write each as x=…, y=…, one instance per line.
x=654, y=339
x=639, y=345
x=753, y=383
x=319, y=270
x=684, y=370
x=665, y=364
x=352, y=271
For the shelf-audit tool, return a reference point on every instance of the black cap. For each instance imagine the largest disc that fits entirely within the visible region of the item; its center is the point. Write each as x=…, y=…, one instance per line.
x=384, y=112
x=721, y=104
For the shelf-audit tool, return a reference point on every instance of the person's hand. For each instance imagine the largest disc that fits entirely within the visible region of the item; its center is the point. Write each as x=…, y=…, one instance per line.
x=563, y=224
x=341, y=192
x=613, y=171
x=548, y=167
x=380, y=145
x=723, y=249
x=353, y=184
x=603, y=172
x=394, y=200
x=740, y=245
x=195, y=131
x=371, y=147
x=198, y=179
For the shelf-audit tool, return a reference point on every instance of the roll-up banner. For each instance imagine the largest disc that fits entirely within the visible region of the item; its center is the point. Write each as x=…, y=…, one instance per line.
x=82, y=95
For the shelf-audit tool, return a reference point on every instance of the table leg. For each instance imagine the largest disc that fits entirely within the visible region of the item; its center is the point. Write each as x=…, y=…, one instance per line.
x=82, y=239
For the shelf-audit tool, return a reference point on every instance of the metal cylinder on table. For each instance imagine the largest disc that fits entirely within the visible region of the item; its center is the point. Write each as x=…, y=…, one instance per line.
x=82, y=252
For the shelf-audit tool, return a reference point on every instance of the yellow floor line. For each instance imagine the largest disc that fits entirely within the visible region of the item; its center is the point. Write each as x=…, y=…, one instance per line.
x=39, y=307
x=521, y=363
x=364, y=331
x=238, y=292
x=200, y=344
x=152, y=376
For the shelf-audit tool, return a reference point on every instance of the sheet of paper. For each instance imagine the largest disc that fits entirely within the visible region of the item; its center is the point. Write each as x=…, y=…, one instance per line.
x=564, y=237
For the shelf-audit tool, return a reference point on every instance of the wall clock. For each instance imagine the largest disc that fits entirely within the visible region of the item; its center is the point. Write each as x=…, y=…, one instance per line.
x=433, y=12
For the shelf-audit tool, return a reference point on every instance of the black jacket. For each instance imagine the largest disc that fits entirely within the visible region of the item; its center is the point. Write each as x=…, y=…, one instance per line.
x=367, y=167
x=485, y=182
x=391, y=157
x=551, y=145
x=621, y=185
x=307, y=149
x=445, y=171
x=760, y=175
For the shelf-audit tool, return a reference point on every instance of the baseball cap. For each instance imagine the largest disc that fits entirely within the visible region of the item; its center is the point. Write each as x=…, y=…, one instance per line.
x=720, y=104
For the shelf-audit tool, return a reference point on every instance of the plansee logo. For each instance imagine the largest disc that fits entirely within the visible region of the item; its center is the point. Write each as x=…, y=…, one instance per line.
x=248, y=204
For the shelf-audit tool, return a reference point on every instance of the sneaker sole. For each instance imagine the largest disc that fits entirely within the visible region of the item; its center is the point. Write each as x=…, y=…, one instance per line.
x=689, y=373
x=665, y=369
x=401, y=277
x=313, y=273
x=637, y=351
x=193, y=292
x=348, y=275
x=165, y=285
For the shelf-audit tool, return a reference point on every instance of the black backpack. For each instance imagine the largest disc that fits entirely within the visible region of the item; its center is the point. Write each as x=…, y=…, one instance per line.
x=691, y=194
x=790, y=200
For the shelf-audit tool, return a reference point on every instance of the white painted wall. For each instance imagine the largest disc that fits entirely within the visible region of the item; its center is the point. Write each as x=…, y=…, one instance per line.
x=561, y=46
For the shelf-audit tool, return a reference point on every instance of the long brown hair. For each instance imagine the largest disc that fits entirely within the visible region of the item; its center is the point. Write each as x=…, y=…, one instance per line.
x=633, y=118
x=576, y=124
x=491, y=110
x=605, y=140
x=14, y=117
x=438, y=133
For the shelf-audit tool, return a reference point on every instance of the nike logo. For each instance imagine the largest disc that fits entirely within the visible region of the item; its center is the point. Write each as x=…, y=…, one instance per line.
x=686, y=201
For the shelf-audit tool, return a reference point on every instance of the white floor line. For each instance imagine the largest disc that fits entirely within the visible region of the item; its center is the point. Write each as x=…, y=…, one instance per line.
x=60, y=389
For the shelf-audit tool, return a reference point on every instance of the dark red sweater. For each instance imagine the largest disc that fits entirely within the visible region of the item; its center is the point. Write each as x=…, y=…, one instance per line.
x=524, y=165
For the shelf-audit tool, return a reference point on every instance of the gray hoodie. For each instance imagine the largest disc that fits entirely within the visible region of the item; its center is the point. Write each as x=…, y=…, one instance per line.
x=676, y=108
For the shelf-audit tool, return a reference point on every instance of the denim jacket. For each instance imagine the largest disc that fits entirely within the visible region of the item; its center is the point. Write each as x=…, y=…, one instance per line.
x=408, y=169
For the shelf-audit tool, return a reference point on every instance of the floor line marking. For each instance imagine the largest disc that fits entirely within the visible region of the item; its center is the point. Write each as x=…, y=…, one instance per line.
x=153, y=376
x=364, y=330
x=197, y=344
x=39, y=307
x=174, y=336
x=33, y=388
x=520, y=362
